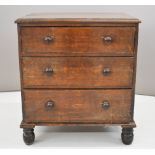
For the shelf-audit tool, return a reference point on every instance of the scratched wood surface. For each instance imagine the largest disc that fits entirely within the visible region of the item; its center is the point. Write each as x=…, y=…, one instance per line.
x=77, y=40
x=78, y=106
x=77, y=17
x=77, y=72
x=75, y=48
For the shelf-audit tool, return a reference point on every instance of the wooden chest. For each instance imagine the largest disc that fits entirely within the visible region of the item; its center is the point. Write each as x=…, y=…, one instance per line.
x=78, y=69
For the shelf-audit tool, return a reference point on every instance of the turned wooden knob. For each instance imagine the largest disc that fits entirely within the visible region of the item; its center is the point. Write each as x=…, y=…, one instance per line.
x=48, y=70
x=48, y=39
x=107, y=39
x=49, y=105
x=105, y=105
x=106, y=71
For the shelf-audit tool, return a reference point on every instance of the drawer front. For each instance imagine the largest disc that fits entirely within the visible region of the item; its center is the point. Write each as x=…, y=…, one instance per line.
x=77, y=72
x=95, y=106
x=109, y=41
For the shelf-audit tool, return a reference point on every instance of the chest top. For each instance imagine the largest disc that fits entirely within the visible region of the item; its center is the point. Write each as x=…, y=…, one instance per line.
x=78, y=34
x=77, y=18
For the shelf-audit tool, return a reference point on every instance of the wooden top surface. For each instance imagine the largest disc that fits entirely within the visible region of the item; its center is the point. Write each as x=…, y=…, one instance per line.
x=77, y=17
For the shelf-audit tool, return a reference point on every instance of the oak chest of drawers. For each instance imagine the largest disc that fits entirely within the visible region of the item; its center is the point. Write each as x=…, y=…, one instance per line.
x=78, y=69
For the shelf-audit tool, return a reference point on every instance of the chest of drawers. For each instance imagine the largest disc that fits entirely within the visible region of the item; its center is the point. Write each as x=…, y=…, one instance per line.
x=78, y=69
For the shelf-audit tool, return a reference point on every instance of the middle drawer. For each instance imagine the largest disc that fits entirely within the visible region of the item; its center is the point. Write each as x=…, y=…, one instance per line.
x=77, y=72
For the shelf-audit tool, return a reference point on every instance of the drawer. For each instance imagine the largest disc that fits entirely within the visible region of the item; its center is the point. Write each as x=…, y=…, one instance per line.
x=77, y=72
x=106, y=41
x=95, y=106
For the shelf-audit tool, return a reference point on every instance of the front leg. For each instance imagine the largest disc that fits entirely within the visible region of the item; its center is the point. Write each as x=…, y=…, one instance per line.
x=127, y=135
x=28, y=136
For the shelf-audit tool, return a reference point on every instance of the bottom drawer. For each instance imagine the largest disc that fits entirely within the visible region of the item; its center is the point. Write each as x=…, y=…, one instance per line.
x=94, y=106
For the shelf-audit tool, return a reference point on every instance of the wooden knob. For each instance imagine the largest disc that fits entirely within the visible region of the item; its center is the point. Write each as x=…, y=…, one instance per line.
x=49, y=105
x=105, y=105
x=107, y=39
x=48, y=39
x=106, y=71
x=48, y=71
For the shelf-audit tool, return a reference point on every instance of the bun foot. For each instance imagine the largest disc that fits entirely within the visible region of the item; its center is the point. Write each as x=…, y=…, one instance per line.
x=28, y=136
x=127, y=135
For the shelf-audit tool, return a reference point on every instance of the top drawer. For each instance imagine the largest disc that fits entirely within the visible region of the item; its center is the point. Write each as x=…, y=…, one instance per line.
x=78, y=41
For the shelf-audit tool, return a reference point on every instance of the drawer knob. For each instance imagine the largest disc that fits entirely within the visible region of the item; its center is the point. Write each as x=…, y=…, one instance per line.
x=49, y=105
x=106, y=71
x=48, y=39
x=49, y=71
x=107, y=39
x=105, y=105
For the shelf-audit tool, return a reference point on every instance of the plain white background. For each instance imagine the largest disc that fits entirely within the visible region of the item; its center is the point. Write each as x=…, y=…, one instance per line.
x=9, y=79
x=79, y=137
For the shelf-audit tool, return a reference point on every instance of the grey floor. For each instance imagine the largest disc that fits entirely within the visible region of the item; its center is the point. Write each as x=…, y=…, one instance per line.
x=11, y=134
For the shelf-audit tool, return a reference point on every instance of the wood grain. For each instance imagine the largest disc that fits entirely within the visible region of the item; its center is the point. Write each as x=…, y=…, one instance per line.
x=77, y=40
x=77, y=72
x=32, y=125
x=78, y=106
x=78, y=54
x=74, y=17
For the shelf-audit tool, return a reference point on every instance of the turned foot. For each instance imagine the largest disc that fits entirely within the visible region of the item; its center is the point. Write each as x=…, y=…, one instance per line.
x=127, y=135
x=28, y=136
